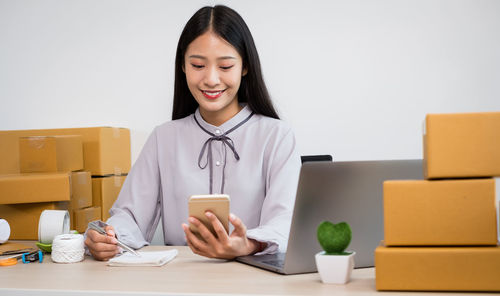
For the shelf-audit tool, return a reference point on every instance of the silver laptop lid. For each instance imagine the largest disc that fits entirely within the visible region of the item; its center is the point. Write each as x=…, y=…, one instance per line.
x=342, y=191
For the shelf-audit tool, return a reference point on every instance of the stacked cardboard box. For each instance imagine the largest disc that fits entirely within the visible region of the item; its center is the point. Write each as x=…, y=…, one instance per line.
x=50, y=178
x=105, y=190
x=25, y=196
x=441, y=234
x=50, y=154
x=101, y=152
x=106, y=150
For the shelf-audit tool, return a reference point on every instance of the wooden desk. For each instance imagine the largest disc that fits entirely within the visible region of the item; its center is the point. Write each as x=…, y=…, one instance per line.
x=187, y=274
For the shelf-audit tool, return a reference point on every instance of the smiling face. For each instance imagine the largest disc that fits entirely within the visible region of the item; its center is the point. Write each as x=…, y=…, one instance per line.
x=213, y=70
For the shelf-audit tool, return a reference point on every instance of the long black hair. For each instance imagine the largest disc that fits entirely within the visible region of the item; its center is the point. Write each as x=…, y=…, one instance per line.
x=230, y=26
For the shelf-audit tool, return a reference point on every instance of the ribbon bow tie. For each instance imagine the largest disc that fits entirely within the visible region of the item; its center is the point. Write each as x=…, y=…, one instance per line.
x=226, y=142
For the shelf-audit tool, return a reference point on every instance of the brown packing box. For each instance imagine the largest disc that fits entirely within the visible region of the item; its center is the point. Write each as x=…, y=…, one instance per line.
x=84, y=216
x=437, y=268
x=106, y=150
x=34, y=188
x=105, y=191
x=462, y=145
x=30, y=188
x=50, y=154
x=444, y=212
x=23, y=218
x=81, y=183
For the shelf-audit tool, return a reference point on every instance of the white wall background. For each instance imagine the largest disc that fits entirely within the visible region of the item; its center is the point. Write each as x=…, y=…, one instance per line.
x=354, y=78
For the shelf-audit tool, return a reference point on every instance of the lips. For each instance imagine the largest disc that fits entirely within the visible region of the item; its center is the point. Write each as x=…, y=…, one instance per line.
x=212, y=94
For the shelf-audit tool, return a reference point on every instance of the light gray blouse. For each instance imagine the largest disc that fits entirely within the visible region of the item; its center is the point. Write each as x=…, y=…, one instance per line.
x=172, y=166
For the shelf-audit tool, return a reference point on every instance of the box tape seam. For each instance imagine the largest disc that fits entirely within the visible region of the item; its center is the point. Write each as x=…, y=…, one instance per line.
x=70, y=187
x=497, y=206
x=116, y=132
x=117, y=180
x=36, y=142
x=118, y=171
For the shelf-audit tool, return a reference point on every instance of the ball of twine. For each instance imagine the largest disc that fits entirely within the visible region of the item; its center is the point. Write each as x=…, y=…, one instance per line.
x=68, y=248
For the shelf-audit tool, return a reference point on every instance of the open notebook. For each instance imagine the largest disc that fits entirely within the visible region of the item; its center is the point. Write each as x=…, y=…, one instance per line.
x=153, y=258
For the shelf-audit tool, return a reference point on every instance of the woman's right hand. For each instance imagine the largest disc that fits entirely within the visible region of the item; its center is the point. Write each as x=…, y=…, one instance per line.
x=102, y=247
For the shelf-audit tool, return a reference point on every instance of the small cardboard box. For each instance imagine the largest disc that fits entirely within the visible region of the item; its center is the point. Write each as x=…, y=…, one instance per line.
x=35, y=188
x=105, y=191
x=462, y=145
x=437, y=268
x=444, y=212
x=84, y=216
x=23, y=218
x=45, y=154
x=106, y=150
x=81, y=183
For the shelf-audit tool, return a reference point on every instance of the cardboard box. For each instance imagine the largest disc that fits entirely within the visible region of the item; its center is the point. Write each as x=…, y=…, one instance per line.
x=462, y=145
x=23, y=218
x=50, y=154
x=81, y=184
x=84, y=216
x=34, y=188
x=437, y=268
x=445, y=212
x=105, y=191
x=106, y=150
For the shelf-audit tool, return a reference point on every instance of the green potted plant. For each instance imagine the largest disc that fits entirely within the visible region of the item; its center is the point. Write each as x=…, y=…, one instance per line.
x=334, y=263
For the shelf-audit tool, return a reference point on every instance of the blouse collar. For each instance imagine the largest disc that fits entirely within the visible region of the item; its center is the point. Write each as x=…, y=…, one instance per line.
x=219, y=130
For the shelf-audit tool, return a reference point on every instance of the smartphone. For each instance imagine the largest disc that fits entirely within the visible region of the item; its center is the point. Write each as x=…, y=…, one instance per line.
x=218, y=204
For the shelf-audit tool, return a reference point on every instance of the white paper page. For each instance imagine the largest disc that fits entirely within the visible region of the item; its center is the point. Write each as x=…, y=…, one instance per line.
x=154, y=258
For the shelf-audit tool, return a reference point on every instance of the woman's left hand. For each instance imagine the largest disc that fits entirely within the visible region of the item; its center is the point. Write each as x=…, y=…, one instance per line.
x=222, y=246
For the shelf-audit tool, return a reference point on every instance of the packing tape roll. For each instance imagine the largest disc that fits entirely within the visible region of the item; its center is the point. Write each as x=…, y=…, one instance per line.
x=67, y=248
x=51, y=224
x=4, y=231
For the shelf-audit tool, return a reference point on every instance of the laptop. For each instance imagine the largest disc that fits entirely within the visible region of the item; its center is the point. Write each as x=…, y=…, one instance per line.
x=337, y=191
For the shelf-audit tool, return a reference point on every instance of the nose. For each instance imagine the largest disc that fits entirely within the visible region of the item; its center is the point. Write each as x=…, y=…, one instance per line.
x=212, y=78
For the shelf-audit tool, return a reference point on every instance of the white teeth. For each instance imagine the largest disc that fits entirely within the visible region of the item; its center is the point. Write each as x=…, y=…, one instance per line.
x=212, y=93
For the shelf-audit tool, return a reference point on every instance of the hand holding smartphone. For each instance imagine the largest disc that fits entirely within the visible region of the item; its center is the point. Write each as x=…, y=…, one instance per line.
x=218, y=204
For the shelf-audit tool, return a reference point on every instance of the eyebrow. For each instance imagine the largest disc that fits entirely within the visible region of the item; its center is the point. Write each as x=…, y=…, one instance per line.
x=219, y=58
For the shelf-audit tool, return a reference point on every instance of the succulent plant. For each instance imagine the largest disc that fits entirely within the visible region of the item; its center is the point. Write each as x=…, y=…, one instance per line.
x=334, y=238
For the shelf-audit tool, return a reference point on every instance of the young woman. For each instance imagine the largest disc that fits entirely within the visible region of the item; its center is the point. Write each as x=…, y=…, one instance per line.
x=225, y=137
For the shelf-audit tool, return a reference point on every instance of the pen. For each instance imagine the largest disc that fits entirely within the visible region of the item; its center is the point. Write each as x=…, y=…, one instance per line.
x=101, y=230
x=129, y=249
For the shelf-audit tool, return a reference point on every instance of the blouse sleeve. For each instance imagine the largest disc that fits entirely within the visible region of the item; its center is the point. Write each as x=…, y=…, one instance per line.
x=136, y=212
x=281, y=185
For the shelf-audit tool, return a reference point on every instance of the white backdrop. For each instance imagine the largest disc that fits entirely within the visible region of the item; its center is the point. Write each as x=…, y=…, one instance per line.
x=354, y=78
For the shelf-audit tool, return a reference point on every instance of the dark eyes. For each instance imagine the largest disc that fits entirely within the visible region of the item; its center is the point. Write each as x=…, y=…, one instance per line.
x=202, y=66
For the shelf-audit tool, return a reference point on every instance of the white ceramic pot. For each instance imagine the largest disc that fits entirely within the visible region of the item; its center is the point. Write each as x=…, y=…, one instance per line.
x=335, y=269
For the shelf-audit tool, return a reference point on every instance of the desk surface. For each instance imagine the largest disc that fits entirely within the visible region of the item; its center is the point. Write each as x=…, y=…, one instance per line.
x=187, y=274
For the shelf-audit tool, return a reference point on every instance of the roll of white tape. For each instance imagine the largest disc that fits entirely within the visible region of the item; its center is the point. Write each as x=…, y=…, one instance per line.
x=51, y=224
x=4, y=231
x=67, y=248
